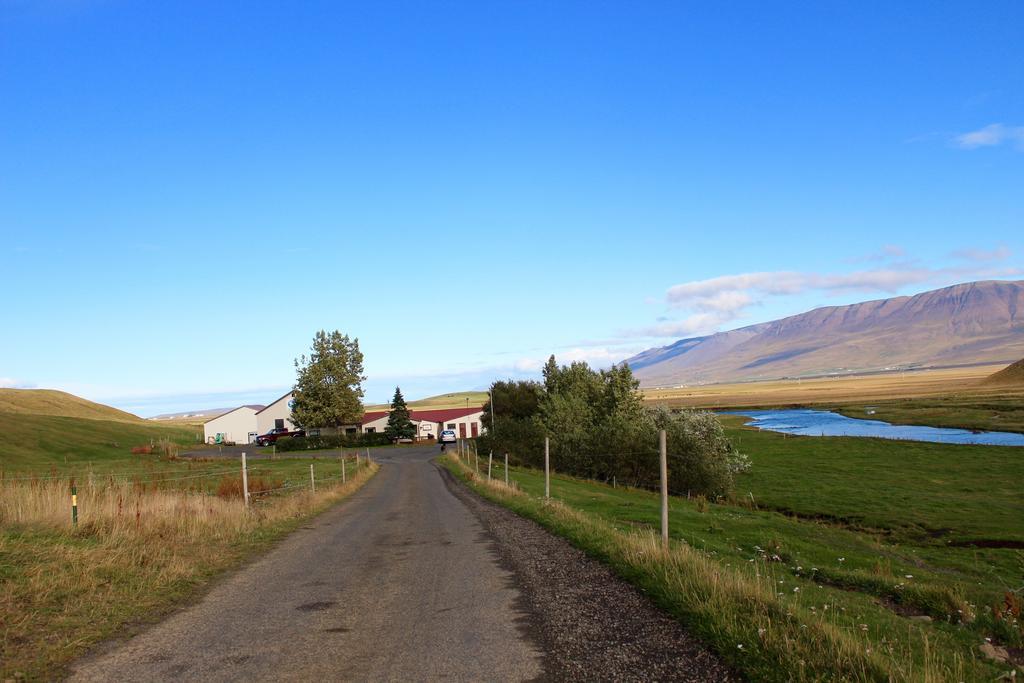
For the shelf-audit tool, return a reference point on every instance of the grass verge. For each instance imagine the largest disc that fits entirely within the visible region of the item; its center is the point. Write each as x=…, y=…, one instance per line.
x=769, y=618
x=139, y=550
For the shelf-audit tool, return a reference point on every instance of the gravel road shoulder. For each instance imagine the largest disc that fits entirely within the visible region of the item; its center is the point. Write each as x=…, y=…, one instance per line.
x=593, y=625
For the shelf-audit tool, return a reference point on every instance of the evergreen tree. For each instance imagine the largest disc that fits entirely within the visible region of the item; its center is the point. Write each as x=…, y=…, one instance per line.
x=399, y=425
x=328, y=388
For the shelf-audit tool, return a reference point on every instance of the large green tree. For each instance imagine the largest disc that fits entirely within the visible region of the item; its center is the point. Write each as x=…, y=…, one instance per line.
x=399, y=425
x=328, y=388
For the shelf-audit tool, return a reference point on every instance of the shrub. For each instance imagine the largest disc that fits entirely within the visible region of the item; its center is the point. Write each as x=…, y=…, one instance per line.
x=230, y=486
x=303, y=443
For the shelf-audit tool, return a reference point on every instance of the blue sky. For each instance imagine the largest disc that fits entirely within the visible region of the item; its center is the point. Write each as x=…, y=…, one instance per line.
x=189, y=190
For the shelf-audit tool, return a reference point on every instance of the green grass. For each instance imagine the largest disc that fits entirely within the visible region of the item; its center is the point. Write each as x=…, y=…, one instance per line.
x=863, y=526
x=50, y=402
x=453, y=400
x=914, y=491
x=39, y=442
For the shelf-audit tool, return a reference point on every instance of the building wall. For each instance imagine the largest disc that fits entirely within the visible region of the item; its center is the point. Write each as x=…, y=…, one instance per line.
x=377, y=425
x=278, y=410
x=235, y=425
x=467, y=420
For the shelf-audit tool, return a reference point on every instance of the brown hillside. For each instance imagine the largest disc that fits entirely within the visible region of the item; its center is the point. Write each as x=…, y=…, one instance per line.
x=51, y=402
x=970, y=324
x=1012, y=375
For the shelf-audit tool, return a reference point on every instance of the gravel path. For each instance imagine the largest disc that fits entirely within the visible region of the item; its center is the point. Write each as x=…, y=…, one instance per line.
x=593, y=626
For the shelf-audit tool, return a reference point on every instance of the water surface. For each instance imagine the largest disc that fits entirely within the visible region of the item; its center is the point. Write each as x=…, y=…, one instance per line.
x=806, y=422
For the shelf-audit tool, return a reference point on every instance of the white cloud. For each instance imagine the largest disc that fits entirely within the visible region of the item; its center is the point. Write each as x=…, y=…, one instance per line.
x=598, y=357
x=738, y=290
x=714, y=302
x=1000, y=253
x=695, y=325
x=12, y=383
x=991, y=135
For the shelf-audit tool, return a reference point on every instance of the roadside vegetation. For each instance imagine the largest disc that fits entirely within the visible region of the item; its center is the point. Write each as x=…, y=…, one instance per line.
x=885, y=560
x=144, y=542
x=598, y=428
x=779, y=598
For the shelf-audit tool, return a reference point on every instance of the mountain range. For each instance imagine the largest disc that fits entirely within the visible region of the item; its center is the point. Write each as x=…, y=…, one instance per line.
x=971, y=323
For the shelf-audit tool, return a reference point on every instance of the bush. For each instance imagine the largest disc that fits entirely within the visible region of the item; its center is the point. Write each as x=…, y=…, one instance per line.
x=698, y=452
x=305, y=443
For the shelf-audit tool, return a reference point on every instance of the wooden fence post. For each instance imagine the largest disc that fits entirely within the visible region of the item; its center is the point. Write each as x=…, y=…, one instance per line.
x=547, y=468
x=74, y=503
x=245, y=481
x=663, y=447
x=490, y=457
x=342, y=468
x=506, y=469
x=312, y=479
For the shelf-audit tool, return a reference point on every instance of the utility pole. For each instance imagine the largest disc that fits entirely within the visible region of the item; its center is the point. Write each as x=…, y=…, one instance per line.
x=494, y=415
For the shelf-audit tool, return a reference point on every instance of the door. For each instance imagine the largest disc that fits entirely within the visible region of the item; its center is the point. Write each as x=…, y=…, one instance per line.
x=462, y=430
x=475, y=429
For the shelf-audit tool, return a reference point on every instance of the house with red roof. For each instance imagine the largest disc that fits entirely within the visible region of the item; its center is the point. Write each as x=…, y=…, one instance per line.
x=465, y=422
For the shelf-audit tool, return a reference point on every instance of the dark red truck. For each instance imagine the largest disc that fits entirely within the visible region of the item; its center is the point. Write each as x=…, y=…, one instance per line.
x=276, y=433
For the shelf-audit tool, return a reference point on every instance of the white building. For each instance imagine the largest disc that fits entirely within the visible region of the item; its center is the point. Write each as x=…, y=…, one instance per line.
x=243, y=424
x=235, y=426
x=277, y=414
x=465, y=422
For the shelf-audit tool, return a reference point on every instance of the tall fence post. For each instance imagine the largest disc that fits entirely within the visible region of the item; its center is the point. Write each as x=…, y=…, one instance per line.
x=367, y=454
x=245, y=481
x=663, y=447
x=547, y=467
x=74, y=503
x=506, y=469
x=490, y=458
x=476, y=462
x=342, y=468
x=312, y=479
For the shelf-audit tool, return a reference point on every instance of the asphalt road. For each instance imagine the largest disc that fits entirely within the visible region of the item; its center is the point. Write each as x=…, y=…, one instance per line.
x=399, y=582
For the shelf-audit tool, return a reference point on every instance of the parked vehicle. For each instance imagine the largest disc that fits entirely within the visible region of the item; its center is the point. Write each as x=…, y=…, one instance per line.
x=276, y=433
x=447, y=436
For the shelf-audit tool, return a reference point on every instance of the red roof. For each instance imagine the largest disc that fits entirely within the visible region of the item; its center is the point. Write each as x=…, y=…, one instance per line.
x=442, y=415
x=426, y=415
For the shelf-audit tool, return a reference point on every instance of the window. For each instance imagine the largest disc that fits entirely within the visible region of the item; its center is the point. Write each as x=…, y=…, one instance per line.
x=451, y=425
x=350, y=430
x=371, y=430
x=279, y=424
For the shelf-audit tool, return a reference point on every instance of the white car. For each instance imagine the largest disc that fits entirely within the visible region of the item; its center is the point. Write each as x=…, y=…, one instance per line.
x=447, y=436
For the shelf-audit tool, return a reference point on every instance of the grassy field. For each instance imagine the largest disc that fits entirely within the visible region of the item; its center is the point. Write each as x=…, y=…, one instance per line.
x=152, y=528
x=865, y=537
x=454, y=400
x=50, y=402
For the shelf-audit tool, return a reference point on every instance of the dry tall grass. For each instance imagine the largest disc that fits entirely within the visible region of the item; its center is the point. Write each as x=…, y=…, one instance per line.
x=737, y=611
x=133, y=553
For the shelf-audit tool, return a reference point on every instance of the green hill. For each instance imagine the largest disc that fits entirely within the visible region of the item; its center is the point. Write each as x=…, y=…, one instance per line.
x=59, y=403
x=454, y=400
x=42, y=429
x=1012, y=375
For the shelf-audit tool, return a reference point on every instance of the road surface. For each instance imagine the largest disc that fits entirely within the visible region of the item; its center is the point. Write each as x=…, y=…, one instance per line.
x=399, y=582
x=414, y=578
